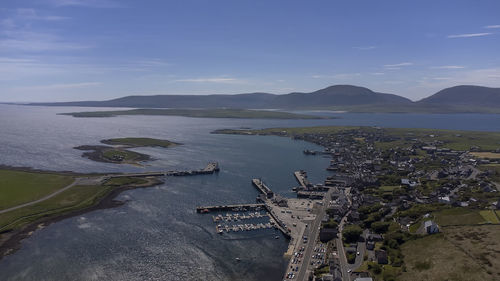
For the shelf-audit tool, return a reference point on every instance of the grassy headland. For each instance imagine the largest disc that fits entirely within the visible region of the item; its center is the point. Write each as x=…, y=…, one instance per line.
x=91, y=192
x=18, y=187
x=200, y=113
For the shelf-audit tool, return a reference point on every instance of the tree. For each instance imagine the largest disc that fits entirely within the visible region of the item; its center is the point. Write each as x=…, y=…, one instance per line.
x=351, y=233
x=380, y=227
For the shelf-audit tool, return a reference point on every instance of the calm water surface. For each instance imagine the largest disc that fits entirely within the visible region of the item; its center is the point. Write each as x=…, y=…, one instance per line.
x=157, y=235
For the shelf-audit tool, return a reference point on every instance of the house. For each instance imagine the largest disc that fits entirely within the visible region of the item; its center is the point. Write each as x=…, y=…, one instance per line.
x=444, y=199
x=381, y=257
x=370, y=245
x=431, y=227
x=374, y=237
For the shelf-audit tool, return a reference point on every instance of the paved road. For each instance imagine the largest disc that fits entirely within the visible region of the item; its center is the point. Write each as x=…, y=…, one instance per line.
x=312, y=233
x=344, y=266
x=41, y=199
x=361, y=248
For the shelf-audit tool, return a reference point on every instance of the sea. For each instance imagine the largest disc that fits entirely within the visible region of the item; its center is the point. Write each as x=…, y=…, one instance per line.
x=157, y=234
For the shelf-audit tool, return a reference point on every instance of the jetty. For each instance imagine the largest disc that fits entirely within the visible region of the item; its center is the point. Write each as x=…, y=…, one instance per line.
x=301, y=177
x=259, y=184
x=211, y=168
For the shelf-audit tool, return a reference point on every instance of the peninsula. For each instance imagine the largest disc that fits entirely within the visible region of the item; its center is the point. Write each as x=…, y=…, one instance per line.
x=32, y=199
x=200, y=113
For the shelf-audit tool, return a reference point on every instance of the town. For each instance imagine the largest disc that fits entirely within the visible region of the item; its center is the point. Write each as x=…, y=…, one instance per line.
x=388, y=191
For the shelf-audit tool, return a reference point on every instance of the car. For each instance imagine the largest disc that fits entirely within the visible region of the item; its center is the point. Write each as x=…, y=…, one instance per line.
x=357, y=253
x=349, y=270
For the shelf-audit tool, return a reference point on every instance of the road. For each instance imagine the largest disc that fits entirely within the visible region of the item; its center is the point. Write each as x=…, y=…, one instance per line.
x=312, y=233
x=344, y=266
x=361, y=248
x=81, y=181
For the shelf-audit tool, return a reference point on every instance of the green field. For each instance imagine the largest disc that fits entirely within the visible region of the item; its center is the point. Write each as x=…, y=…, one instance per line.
x=436, y=258
x=489, y=216
x=200, y=113
x=458, y=216
x=17, y=187
x=139, y=142
x=121, y=181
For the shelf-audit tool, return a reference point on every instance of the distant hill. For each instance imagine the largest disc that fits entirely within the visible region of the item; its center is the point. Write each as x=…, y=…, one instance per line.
x=465, y=99
x=464, y=96
x=339, y=95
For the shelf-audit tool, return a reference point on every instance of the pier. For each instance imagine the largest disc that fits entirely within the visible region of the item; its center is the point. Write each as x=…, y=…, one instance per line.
x=259, y=184
x=301, y=177
x=211, y=168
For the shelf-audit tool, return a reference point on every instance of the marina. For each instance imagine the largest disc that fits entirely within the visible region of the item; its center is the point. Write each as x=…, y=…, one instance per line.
x=223, y=228
x=237, y=217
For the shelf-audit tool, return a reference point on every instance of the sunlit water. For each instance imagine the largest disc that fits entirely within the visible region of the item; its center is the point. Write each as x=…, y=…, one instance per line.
x=157, y=234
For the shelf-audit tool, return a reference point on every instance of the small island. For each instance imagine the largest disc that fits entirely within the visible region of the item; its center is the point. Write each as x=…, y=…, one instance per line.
x=139, y=142
x=118, y=150
x=201, y=113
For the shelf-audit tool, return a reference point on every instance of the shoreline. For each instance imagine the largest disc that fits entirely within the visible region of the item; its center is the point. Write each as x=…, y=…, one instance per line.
x=12, y=240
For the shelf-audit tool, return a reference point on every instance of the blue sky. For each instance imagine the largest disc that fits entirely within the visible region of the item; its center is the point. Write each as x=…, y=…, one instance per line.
x=61, y=50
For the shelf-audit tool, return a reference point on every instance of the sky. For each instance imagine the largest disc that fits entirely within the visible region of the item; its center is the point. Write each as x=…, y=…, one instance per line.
x=68, y=50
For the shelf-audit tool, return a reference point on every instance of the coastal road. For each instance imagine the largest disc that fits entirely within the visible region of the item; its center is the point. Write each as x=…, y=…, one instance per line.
x=312, y=233
x=76, y=182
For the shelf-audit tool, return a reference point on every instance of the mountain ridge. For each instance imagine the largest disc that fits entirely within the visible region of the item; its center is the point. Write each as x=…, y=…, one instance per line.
x=462, y=98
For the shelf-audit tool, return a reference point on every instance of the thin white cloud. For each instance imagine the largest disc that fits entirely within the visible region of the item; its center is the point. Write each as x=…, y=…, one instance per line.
x=210, y=80
x=468, y=35
x=398, y=65
x=447, y=67
x=36, y=42
x=60, y=86
x=32, y=14
x=441, y=78
x=85, y=3
x=492, y=26
x=364, y=48
x=377, y=73
x=337, y=76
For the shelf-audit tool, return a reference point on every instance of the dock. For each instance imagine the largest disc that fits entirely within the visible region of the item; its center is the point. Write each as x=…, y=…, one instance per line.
x=301, y=177
x=234, y=208
x=259, y=184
